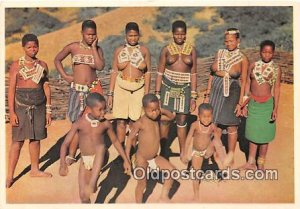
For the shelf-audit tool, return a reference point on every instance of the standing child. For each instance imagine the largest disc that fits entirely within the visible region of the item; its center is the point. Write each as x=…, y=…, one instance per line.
x=29, y=106
x=91, y=128
x=263, y=88
x=87, y=57
x=147, y=129
x=199, y=143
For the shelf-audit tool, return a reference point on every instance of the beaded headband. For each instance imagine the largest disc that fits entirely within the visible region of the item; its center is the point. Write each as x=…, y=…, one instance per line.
x=232, y=32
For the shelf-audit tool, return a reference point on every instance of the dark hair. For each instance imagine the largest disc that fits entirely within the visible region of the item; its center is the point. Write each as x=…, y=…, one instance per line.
x=148, y=98
x=235, y=31
x=267, y=43
x=132, y=26
x=93, y=98
x=204, y=106
x=29, y=37
x=88, y=24
x=178, y=24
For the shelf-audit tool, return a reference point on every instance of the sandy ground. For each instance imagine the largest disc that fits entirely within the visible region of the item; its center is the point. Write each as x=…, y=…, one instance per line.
x=117, y=187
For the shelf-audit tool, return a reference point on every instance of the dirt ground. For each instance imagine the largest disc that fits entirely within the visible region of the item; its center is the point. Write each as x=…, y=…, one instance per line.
x=116, y=187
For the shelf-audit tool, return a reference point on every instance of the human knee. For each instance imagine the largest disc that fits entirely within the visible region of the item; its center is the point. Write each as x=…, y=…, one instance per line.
x=232, y=130
x=181, y=122
x=17, y=145
x=83, y=196
x=121, y=123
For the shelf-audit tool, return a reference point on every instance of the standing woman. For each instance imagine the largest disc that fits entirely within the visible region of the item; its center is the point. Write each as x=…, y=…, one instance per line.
x=176, y=82
x=29, y=104
x=226, y=87
x=130, y=80
x=87, y=57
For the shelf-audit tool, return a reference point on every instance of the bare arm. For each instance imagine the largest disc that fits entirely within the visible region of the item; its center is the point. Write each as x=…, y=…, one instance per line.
x=160, y=69
x=58, y=62
x=134, y=131
x=11, y=93
x=113, y=76
x=214, y=66
x=194, y=71
x=167, y=115
x=245, y=65
x=98, y=57
x=276, y=94
x=148, y=73
x=114, y=140
x=248, y=80
x=47, y=91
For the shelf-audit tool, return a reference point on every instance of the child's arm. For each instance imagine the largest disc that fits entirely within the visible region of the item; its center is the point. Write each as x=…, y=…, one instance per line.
x=167, y=115
x=14, y=121
x=47, y=91
x=114, y=140
x=189, y=140
x=63, y=169
x=276, y=95
x=134, y=131
x=58, y=63
x=148, y=73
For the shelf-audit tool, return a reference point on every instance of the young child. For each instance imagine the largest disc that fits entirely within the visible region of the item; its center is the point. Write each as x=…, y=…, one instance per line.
x=91, y=128
x=263, y=88
x=199, y=143
x=87, y=58
x=29, y=106
x=147, y=129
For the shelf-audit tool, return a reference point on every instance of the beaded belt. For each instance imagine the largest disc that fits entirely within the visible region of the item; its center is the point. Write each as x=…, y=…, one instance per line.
x=177, y=77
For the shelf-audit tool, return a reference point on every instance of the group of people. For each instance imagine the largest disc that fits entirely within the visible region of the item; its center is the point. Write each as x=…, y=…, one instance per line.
x=143, y=119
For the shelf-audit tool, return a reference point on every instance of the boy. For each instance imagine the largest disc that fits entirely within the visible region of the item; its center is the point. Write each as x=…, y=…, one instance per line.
x=199, y=144
x=147, y=129
x=29, y=106
x=91, y=128
x=263, y=88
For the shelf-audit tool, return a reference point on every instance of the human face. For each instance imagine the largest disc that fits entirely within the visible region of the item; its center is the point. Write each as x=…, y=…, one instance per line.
x=231, y=42
x=132, y=37
x=179, y=36
x=89, y=35
x=205, y=117
x=31, y=49
x=267, y=53
x=152, y=110
x=99, y=110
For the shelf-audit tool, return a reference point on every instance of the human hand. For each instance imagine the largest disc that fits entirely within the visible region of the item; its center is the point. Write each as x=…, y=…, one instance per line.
x=127, y=168
x=237, y=110
x=14, y=120
x=69, y=78
x=95, y=43
x=192, y=105
x=274, y=115
x=48, y=120
x=245, y=111
x=110, y=102
x=184, y=160
x=63, y=170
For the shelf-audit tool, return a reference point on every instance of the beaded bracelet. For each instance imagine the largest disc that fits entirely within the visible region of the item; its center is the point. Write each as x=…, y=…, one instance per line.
x=48, y=109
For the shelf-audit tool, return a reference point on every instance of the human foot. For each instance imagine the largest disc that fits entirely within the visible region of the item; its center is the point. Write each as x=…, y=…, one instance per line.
x=9, y=182
x=70, y=160
x=40, y=174
x=164, y=200
x=248, y=166
x=228, y=162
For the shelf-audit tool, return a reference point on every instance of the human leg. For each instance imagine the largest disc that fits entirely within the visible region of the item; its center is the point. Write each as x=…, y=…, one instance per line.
x=181, y=132
x=196, y=164
x=83, y=180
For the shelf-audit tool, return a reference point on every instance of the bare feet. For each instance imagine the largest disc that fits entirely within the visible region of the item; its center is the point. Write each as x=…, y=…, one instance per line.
x=228, y=162
x=63, y=170
x=248, y=166
x=164, y=200
x=70, y=160
x=40, y=174
x=9, y=183
x=196, y=198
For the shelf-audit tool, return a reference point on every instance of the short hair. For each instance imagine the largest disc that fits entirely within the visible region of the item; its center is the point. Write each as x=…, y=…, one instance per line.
x=132, y=26
x=149, y=98
x=267, y=43
x=178, y=24
x=88, y=24
x=204, y=106
x=94, y=98
x=29, y=37
x=233, y=31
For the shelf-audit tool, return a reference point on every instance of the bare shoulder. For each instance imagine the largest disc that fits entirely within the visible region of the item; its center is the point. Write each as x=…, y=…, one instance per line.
x=144, y=49
x=43, y=64
x=118, y=49
x=107, y=124
x=252, y=65
x=244, y=56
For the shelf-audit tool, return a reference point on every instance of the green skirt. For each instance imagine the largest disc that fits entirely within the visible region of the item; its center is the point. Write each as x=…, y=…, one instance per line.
x=259, y=129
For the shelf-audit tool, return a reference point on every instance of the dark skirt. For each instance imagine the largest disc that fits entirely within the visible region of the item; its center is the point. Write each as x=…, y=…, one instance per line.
x=175, y=98
x=30, y=107
x=223, y=107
